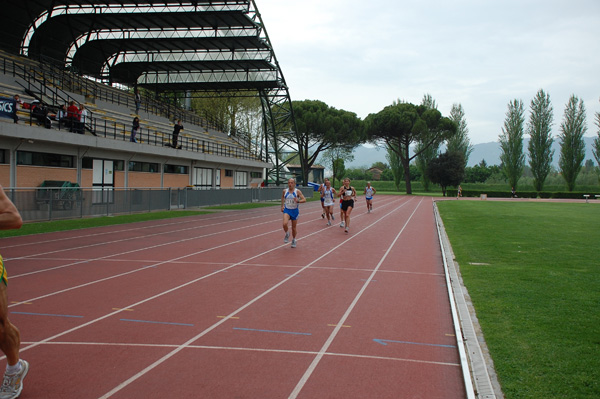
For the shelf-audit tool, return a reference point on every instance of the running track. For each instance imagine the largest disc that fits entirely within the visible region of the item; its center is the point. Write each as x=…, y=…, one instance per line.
x=217, y=306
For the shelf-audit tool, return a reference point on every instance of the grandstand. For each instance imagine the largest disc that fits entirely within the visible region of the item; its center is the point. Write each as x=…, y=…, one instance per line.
x=95, y=53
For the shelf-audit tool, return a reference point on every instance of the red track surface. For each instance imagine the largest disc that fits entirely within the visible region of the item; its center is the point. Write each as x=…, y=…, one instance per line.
x=216, y=306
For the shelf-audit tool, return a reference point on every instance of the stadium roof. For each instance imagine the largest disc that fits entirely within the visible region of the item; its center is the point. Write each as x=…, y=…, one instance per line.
x=161, y=45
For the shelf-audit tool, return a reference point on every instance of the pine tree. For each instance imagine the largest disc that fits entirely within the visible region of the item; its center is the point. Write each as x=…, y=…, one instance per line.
x=511, y=143
x=572, y=145
x=539, y=129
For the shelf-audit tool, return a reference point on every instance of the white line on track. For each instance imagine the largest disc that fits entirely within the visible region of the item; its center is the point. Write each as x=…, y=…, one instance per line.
x=84, y=261
x=116, y=230
x=342, y=321
x=248, y=304
x=134, y=238
x=231, y=348
x=155, y=265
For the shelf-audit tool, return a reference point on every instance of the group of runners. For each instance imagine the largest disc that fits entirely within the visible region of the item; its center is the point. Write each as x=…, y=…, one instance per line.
x=291, y=197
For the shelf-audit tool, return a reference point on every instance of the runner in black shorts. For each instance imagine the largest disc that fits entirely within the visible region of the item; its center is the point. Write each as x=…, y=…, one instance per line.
x=347, y=193
x=10, y=338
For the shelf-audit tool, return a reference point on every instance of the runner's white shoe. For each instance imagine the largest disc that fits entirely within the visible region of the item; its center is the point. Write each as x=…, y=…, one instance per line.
x=332, y=217
x=342, y=224
x=12, y=385
x=286, y=239
x=346, y=229
x=329, y=223
x=294, y=243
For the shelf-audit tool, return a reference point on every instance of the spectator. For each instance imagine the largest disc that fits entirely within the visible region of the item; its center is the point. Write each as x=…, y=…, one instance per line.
x=19, y=103
x=138, y=101
x=83, y=118
x=72, y=116
x=40, y=113
x=134, y=129
x=176, y=129
x=61, y=115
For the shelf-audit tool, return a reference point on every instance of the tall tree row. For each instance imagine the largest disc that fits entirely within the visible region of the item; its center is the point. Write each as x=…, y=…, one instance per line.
x=427, y=152
x=539, y=129
x=460, y=142
x=572, y=146
x=511, y=143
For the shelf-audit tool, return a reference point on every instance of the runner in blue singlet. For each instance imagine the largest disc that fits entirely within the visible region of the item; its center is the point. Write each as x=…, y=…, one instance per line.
x=290, y=198
x=369, y=192
x=327, y=196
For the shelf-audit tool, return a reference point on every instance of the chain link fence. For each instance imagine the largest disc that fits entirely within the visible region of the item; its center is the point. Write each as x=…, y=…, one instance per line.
x=51, y=203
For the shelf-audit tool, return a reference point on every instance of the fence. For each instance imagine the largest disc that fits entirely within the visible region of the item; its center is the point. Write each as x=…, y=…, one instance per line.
x=44, y=204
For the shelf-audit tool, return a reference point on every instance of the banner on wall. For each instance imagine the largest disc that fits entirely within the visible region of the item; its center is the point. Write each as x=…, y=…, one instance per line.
x=8, y=107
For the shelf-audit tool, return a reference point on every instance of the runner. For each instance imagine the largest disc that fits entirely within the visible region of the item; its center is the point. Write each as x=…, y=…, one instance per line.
x=369, y=192
x=10, y=338
x=290, y=198
x=327, y=196
x=321, y=188
x=347, y=194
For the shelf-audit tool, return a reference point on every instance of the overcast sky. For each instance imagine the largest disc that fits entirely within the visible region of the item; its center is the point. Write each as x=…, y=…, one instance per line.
x=361, y=55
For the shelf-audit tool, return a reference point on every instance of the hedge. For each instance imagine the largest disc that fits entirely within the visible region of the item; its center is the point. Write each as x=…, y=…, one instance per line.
x=523, y=194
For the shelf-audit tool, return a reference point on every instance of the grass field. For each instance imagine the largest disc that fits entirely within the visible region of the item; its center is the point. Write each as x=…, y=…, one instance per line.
x=533, y=273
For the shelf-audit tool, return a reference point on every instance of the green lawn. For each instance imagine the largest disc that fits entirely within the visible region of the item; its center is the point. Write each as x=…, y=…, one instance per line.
x=533, y=272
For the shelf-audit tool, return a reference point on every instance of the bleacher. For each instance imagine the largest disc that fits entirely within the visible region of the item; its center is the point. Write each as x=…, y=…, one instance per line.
x=111, y=110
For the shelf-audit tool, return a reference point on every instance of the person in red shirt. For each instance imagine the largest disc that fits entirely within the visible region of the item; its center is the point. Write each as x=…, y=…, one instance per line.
x=73, y=115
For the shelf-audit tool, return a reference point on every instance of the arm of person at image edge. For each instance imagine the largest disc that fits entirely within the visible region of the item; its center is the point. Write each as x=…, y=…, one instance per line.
x=10, y=218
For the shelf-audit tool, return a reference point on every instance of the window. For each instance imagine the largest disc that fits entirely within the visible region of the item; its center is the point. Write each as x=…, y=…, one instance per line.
x=203, y=177
x=148, y=167
x=177, y=169
x=228, y=173
x=45, y=159
x=256, y=175
x=3, y=156
x=241, y=179
x=88, y=163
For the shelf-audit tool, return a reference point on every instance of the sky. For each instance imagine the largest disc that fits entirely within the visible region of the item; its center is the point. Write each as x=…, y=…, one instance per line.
x=362, y=55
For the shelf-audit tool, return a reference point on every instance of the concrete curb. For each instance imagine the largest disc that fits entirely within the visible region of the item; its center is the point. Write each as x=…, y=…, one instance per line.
x=480, y=364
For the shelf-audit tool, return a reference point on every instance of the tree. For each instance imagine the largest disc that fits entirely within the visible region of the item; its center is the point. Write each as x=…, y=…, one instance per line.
x=448, y=169
x=401, y=124
x=511, y=143
x=426, y=153
x=572, y=145
x=339, y=169
x=333, y=156
x=395, y=165
x=380, y=165
x=321, y=127
x=539, y=129
x=460, y=141
x=478, y=173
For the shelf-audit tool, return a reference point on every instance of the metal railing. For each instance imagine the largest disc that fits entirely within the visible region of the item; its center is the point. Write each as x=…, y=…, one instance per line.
x=44, y=204
x=51, y=77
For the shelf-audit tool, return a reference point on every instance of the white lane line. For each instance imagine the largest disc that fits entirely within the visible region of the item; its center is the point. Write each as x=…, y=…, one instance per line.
x=241, y=349
x=342, y=321
x=98, y=234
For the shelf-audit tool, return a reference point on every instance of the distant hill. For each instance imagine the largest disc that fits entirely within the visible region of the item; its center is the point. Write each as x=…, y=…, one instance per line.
x=490, y=152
